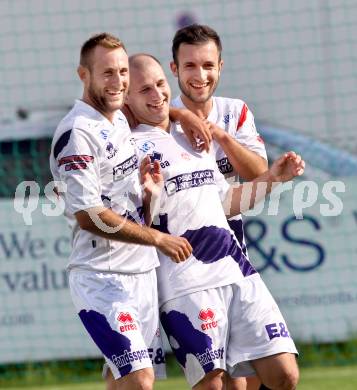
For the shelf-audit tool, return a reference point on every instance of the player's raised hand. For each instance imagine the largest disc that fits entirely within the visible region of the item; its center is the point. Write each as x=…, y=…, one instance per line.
x=177, y=248
x=287, y=167
x=150, y=176
x=196, y=129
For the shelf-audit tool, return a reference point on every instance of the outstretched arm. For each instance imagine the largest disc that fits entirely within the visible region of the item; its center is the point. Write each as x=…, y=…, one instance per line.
x=244, y=196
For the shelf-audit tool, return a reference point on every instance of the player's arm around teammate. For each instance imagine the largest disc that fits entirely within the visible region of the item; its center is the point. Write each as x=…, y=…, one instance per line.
x=246, y=163
x=197, y=130
x=107, y=224
x=113, y=259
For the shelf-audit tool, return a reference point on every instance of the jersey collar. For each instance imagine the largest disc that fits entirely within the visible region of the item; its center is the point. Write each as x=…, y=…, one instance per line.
x=142, y=127
x=212, y=116
x=95, y=114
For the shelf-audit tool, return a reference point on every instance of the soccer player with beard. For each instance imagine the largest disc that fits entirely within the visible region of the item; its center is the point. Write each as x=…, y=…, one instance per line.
x=112, y=275
x=215, y=309
x=237, y=146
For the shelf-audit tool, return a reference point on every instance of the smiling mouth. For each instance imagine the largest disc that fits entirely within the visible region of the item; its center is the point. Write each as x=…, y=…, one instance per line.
x=114, y=94
x=157, y=105
x=199, y=85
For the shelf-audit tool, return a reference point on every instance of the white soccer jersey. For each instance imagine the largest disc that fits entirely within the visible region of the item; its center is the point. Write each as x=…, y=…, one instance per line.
x=191, y=207
x=233, y=116
x=97, y=161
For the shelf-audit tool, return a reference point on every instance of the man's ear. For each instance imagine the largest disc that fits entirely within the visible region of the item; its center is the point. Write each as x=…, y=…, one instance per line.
x=173, y=67
x=82, y=73
x=127, y=98
x=220, y=66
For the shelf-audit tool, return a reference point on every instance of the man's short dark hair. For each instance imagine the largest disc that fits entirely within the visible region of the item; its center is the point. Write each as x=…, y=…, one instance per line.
x=195, y=34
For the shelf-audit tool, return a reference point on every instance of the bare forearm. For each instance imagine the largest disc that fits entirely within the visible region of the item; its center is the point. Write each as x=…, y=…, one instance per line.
x=193, y=126
x=242, y=197
x=246, y=164
x=175, y=114
x=147, y=214
x=107, y=224
x=245, y=196
x=151, y=205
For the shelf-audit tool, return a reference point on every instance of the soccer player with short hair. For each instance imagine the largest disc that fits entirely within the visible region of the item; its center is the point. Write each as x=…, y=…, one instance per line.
x=237, y=147
x=112, y=275
x=216, y=310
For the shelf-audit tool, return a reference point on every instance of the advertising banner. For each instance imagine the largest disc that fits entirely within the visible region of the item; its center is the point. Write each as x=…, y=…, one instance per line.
x=37, y=318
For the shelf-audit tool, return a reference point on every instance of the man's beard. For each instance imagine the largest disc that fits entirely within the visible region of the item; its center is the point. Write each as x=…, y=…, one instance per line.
x=100, y=101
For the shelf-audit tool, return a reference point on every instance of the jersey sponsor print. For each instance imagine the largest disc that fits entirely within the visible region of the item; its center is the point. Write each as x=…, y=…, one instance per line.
x=191, y=207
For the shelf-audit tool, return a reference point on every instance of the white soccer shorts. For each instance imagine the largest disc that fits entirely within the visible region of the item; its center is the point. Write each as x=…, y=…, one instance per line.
x=120, y=312
x=225, y=328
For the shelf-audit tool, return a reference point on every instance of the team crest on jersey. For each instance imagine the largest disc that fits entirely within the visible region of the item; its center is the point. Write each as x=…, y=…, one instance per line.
x=104, y=133
x=110, y=150
x=146, y=146
x=207, y=316
x=159, y=157
x=127, y=320
x=227, y=117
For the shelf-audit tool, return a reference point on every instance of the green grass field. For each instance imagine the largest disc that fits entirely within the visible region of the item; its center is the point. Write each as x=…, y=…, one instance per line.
x=320, y=378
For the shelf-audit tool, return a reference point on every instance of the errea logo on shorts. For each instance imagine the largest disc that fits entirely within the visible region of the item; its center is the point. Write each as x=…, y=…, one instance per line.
x=127, y=320
x=207, y=316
